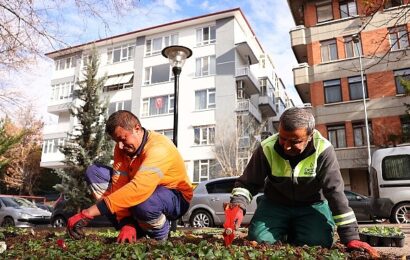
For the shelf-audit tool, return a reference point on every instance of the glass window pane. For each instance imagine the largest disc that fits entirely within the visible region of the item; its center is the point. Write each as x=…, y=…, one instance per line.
x=148, y=46
x=160, y=73
x=212, y=65
x=157, y=44
x=205, y=32
x=332, y=94
x=341, y=138
x=196, y=135
x=200, y=99
x=199, y=35
x=196, y=171
x=198, y=67
x=358, y=136
x=117, y=55
x=205, y=66
x=333, y=51
x=324, y=13
x=213, y=34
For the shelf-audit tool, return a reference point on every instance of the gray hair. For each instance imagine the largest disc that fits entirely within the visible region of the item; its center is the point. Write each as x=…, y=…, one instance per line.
x=296, y=118
x=122, y=118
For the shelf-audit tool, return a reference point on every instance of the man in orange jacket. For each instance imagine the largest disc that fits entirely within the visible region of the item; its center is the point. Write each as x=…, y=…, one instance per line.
x=147, y=187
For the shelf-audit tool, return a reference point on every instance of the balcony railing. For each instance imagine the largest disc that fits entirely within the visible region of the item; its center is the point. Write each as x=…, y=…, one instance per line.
x=247, y=106
x=251, y=84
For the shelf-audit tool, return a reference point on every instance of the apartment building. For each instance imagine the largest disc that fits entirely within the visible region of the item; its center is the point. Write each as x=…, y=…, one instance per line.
x=332, y=37
x=229, y=92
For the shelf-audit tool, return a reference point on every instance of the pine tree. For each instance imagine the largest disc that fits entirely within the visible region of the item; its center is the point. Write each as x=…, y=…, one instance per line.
x=7, y=140
x=87, y=143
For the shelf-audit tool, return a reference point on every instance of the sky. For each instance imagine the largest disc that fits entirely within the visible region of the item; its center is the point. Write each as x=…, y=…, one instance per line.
x=270, y=19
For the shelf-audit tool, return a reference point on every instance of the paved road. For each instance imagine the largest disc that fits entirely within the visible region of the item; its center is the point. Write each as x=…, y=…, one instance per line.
x=402, y=252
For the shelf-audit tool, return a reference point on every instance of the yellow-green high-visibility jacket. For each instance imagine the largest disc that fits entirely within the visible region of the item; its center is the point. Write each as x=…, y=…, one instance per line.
x=310, y=177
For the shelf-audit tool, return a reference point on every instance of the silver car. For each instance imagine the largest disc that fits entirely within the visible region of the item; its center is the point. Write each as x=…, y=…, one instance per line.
x=20, y=212
x=206, y=208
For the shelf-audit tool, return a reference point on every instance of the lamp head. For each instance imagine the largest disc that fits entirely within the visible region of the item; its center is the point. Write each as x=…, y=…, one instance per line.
x=176, y=55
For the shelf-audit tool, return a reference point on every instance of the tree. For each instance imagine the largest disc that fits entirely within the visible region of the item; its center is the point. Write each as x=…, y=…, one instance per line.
x=87, y=143
x=7, y=141
x=23, y=170
x=232, y=152
x=28, y=28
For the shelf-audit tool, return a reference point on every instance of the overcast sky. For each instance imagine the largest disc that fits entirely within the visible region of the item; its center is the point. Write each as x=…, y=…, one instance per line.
x=270, y=19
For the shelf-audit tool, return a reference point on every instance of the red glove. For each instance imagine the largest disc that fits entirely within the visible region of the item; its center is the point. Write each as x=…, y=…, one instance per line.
x=127, y=232
x=76, y=223
x=233, y=220
x=359, y=245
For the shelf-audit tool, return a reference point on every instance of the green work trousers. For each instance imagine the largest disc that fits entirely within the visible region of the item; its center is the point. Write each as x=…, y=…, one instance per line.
x=311, y=225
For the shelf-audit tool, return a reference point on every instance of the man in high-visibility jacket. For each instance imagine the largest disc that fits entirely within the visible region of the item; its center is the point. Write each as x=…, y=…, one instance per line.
x=147, y=187
x=304, y=196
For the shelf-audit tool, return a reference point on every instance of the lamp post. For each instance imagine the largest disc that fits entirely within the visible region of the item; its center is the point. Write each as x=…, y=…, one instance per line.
x=356, y=40
x=176, y=55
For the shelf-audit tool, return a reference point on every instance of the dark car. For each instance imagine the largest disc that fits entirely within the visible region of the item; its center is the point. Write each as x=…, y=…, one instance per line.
x=61, y=215
x=368, y=208
x=206, y=208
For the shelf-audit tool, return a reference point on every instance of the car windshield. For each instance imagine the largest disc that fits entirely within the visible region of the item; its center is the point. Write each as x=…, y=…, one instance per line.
x=24, y=203
x=10, y=202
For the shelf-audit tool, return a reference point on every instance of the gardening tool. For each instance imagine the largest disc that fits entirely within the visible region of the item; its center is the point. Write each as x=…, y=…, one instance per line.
x=233, y=219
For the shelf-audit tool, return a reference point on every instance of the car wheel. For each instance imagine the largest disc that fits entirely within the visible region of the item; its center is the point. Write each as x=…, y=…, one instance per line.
x=401, y=213
x=201, y=218
x=8, y=222
x=59, y=221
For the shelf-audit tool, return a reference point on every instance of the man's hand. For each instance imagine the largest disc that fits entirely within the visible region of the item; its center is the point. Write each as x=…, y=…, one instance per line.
x=76, y=223
x=127, y=232
x=359, y=245
x=233, y=220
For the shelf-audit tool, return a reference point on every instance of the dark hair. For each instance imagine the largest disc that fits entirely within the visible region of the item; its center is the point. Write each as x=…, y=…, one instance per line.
x=122, y=118
x=296, y=118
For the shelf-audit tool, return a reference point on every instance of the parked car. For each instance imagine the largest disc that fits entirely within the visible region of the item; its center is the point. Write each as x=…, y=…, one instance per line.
x=20, y=212
x=368, y=208
x=206, y=208
x=61, y=215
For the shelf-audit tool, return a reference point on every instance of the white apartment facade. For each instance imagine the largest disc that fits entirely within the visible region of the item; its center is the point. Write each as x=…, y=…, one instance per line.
x=228, y=79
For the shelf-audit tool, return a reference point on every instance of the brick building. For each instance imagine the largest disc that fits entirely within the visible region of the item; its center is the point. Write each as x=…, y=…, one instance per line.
x=329, y=37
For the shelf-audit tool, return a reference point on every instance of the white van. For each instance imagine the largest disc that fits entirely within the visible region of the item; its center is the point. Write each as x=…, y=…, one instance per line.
x=391, y=179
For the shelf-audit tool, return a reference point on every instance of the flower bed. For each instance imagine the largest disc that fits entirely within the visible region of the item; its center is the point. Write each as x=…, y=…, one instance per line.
x=183, y=244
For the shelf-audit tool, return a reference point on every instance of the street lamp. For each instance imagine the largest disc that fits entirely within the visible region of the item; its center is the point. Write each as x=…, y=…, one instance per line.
x=176, y=55
x=356, y=40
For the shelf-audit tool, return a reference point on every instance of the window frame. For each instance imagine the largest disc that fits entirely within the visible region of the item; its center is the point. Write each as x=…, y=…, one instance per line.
x=401, y=34
x=211, y=66
x=351, y=83
x=148, y=71
x=119, y=105
x=398, y=74
x=204, y=139
x=348, y=42
x=126, y=53
x=328, y=46
x=362, y=127
x=318, y=19
x=332, y=85
x=203, y=176
x=200, y=35
x=146, y=106
x=346, y=3
x=335, y=128
x=209, y=93
x=62, y=91
x=167, y=40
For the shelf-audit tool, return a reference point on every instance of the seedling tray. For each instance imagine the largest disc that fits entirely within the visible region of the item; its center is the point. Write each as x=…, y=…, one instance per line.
x=382, y=241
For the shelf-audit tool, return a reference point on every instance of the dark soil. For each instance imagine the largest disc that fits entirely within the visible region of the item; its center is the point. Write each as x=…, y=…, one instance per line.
x=183, y=244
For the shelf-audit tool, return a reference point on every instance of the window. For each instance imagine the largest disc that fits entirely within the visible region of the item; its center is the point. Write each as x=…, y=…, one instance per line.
x=65, y=63
x=333, y=92
x=347, y=8
x=158, y=74
x=52, y=145
x=328, y=50
x=355, y=87
x=205, y=99
x=120, y=105
x=167, y=132
x=223, y=186
x=120, y=53
x=405, y=128
x=204, y=135
x=324, y=12
x=205, y=66
x=337, y=136
x=63, y=91
x=155, y=45
x=399, y=76
x=359, y=133
x=203, y=170
x=396, y=167
x=393, y=3
x=158, y=105
x=352, y=49
x=399, y=38
x=205, y=35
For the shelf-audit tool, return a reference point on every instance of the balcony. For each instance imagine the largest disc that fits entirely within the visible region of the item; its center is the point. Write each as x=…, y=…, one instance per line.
x=246, y=52
x=59, y=106
x=301, y=76
x=56, y=128
x=247, y=81
x=298, y=42
x=267, y=106
x=352, y=157
x=247, y=106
